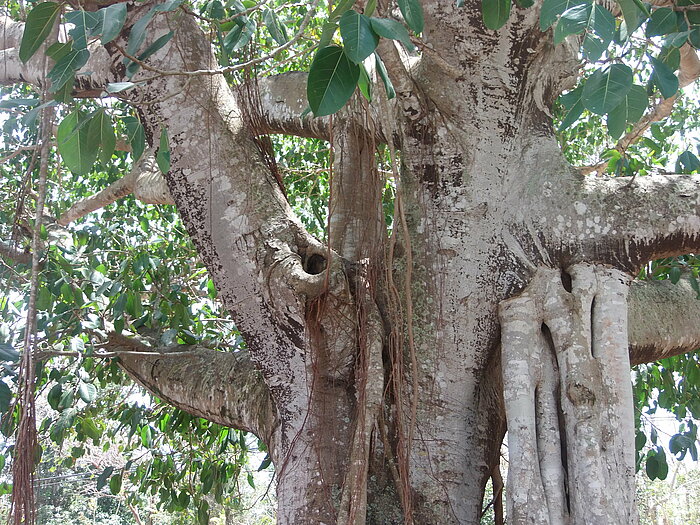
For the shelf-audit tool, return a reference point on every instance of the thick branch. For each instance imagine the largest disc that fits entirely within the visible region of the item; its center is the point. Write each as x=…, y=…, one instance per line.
x=223, y=387
x=10, y=252
x=664, y=320
x=283, y=101
x=627, y=221
x=145, y=181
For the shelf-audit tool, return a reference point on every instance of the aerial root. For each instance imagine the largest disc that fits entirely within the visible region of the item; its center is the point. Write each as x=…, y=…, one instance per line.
x=568, y=399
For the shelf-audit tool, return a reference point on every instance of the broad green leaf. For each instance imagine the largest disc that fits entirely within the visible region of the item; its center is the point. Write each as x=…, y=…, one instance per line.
x=101, y=127
x=5, y=398
x=633, y=17
x=113, y=18
x=115, y=484
x=671, y=56
x=83, y=22
x=370, y=7
x=87, y=392
x=116, y=87
x=551, y=9
x=102, y=478
x=8, y=353
x=138, y=34
x=359, y=40
x=574, y=105
x=664, y=78
x=688, y=162
x=331, y=81
x=365, y=84
x=277, y=29
x=606, y=88
x=40, y=20
x=392, y=29
x=600, y=31
x=495, y=13
x=327, y=32
x=524, y=3
x=694, y=38
x=54, y=396
x=629, y=111
x=165, y=7
x=157, y=44
x=90, y=429
x=136, y=136
x=693, y=16
x=662, y=22
x=265, y=463
x=412, y=12
x=64, y=70
x=163, y=155
x=77, y=146
x=239, y=36
x=381, y=69
x=573, y=21
x=652, y=467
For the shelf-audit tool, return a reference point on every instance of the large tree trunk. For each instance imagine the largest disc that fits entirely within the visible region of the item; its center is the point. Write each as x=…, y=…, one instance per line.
x=380, y=380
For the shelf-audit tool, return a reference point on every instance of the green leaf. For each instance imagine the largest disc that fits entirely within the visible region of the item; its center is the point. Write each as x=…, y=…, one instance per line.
x=64, y=70
x=573, y=21
x=5, y=397
x=239, y=36
x=203, y=513
x=551, y=9
x=101, y=127
x=359, y=40
x=664, y=78
x=633, y=16
x=156, y=45
x=136, y=136
x=265, y=463
x=8, y=353
x=381, y=69
x=412, y=12
x=113, y=18
x=694, y=38
x=102, y=478
x=495, y=13
x=652, y=466
x=600, y=31
x=605, y=89
x=662, y=22
x=688, y=162
x=138, y=34
x=116, y=87
x=115, y=484
x=370, y=7
x=331, y=81
x=364, y=84
x=87, y=392
x=66, y=400
x=40, y=20
x=629, y=111
x=277, y=29
x=163, y=155
x=168, y=6
x=91, y=430
x=83, y=22
x=77, y=146
x=393, y=30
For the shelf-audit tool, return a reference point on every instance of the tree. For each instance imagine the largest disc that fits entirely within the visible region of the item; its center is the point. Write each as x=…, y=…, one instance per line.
x=382, y=369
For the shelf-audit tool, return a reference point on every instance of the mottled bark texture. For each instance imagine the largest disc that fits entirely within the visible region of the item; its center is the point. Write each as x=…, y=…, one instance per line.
x=380, y=379
x=568, y=399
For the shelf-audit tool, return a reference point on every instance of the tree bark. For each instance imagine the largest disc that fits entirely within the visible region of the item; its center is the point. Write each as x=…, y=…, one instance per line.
x=384, y=377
